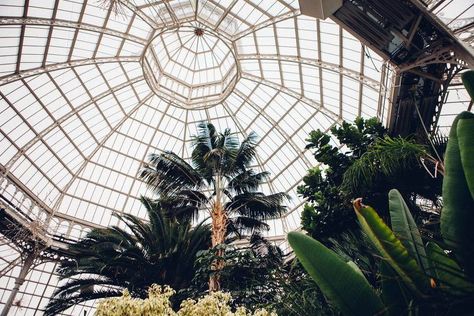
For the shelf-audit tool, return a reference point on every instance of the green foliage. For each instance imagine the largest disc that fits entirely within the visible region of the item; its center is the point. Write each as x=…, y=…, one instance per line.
x=458, y=198
x=356, y=247
x=259, y=276
x=157, y=303
x=404, y=284
x=327, y=212
x=221, y=166
x=465, y=130
x=111, y=259
x=357, y=137
x=404, y=227
x=446, y=271
x=390, y=247
x=468, y=81
x=297, y=294
x=249, y=274
x=393, y=292
x=368, y=164
x=343, y=285
x=415, y=279
x=384, y=158
x=437, y=287
x=219, y=181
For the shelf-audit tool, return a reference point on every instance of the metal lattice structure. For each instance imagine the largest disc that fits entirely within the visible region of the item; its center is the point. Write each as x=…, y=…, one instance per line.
x=87, y=91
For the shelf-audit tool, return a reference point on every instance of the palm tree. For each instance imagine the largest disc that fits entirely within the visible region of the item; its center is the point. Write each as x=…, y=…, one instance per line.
x=221, y=167
x=160, y=251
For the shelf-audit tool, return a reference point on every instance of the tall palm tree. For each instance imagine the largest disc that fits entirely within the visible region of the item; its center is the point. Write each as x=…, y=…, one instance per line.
x=160, y=251
x=218, y=180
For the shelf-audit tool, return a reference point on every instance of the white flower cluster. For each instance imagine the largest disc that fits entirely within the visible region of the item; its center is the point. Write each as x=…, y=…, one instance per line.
x=158, y=304
x=216, y=303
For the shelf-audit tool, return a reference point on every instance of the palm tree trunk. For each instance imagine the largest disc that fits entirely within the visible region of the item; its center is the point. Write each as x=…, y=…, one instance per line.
x=219, y=228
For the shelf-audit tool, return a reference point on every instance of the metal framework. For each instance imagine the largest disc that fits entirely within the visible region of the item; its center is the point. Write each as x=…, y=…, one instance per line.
x=79, y=112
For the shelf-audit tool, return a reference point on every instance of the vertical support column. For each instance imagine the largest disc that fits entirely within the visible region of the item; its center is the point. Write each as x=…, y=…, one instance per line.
x=27, y=264
x=395, y=87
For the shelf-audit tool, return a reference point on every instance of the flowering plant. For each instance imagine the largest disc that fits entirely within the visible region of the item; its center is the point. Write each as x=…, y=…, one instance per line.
x=158, y=304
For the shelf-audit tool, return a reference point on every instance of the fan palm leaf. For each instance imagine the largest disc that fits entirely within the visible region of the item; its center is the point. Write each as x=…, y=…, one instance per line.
x=215, y=155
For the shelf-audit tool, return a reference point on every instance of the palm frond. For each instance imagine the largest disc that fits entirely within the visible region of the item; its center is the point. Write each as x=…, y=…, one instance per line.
x=213, y=152
x=83, y=284
x=386, y=156
x=184, y=205
x=58, y=305
x=247, y=181
x=248, y=225
x=167, y=173
x=115, y=6
x=258, y=205
x=160, y=251
x=228, y=140
x=438, y=143
x=246, y=153
x=208, y=133
x=203, y=144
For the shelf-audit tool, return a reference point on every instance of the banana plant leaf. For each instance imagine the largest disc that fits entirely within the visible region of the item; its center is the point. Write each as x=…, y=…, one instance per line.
x=395, y=295
x=458, y=211
x=404, y=227
x=356, y=268
x=465, y=130
x=447, y=272
x=468, y=81
x=344, y=287
x=391, y=248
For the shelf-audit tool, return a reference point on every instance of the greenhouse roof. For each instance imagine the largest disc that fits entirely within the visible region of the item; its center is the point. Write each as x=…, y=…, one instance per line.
x=87, y=91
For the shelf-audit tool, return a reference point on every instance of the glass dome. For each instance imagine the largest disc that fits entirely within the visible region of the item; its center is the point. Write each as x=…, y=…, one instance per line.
x=87, y=92
x=190, y=66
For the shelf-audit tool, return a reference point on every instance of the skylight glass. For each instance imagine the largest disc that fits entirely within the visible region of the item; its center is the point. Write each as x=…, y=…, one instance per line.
x=190, y=66
x=87, y=93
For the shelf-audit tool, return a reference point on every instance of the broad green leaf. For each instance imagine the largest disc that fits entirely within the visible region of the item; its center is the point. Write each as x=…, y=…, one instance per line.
x=468, y=81
x=356, y=268
x=465, y=130
x=391, y=248
x=446, y=271
x=394, y=294
x=404, y=227
x=346, y=288
x=458, y=211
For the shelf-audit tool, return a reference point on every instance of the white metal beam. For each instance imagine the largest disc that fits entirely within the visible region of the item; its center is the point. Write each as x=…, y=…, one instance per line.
x=97, y=148
x=64, y=118
x=57, y=66
x=369, y=82
x=330, y=114
x=69, y=24
x=261, y=25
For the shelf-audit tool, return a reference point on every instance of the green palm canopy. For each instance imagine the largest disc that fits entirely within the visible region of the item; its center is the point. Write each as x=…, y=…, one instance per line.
x=109, y=260
x=220, y=181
